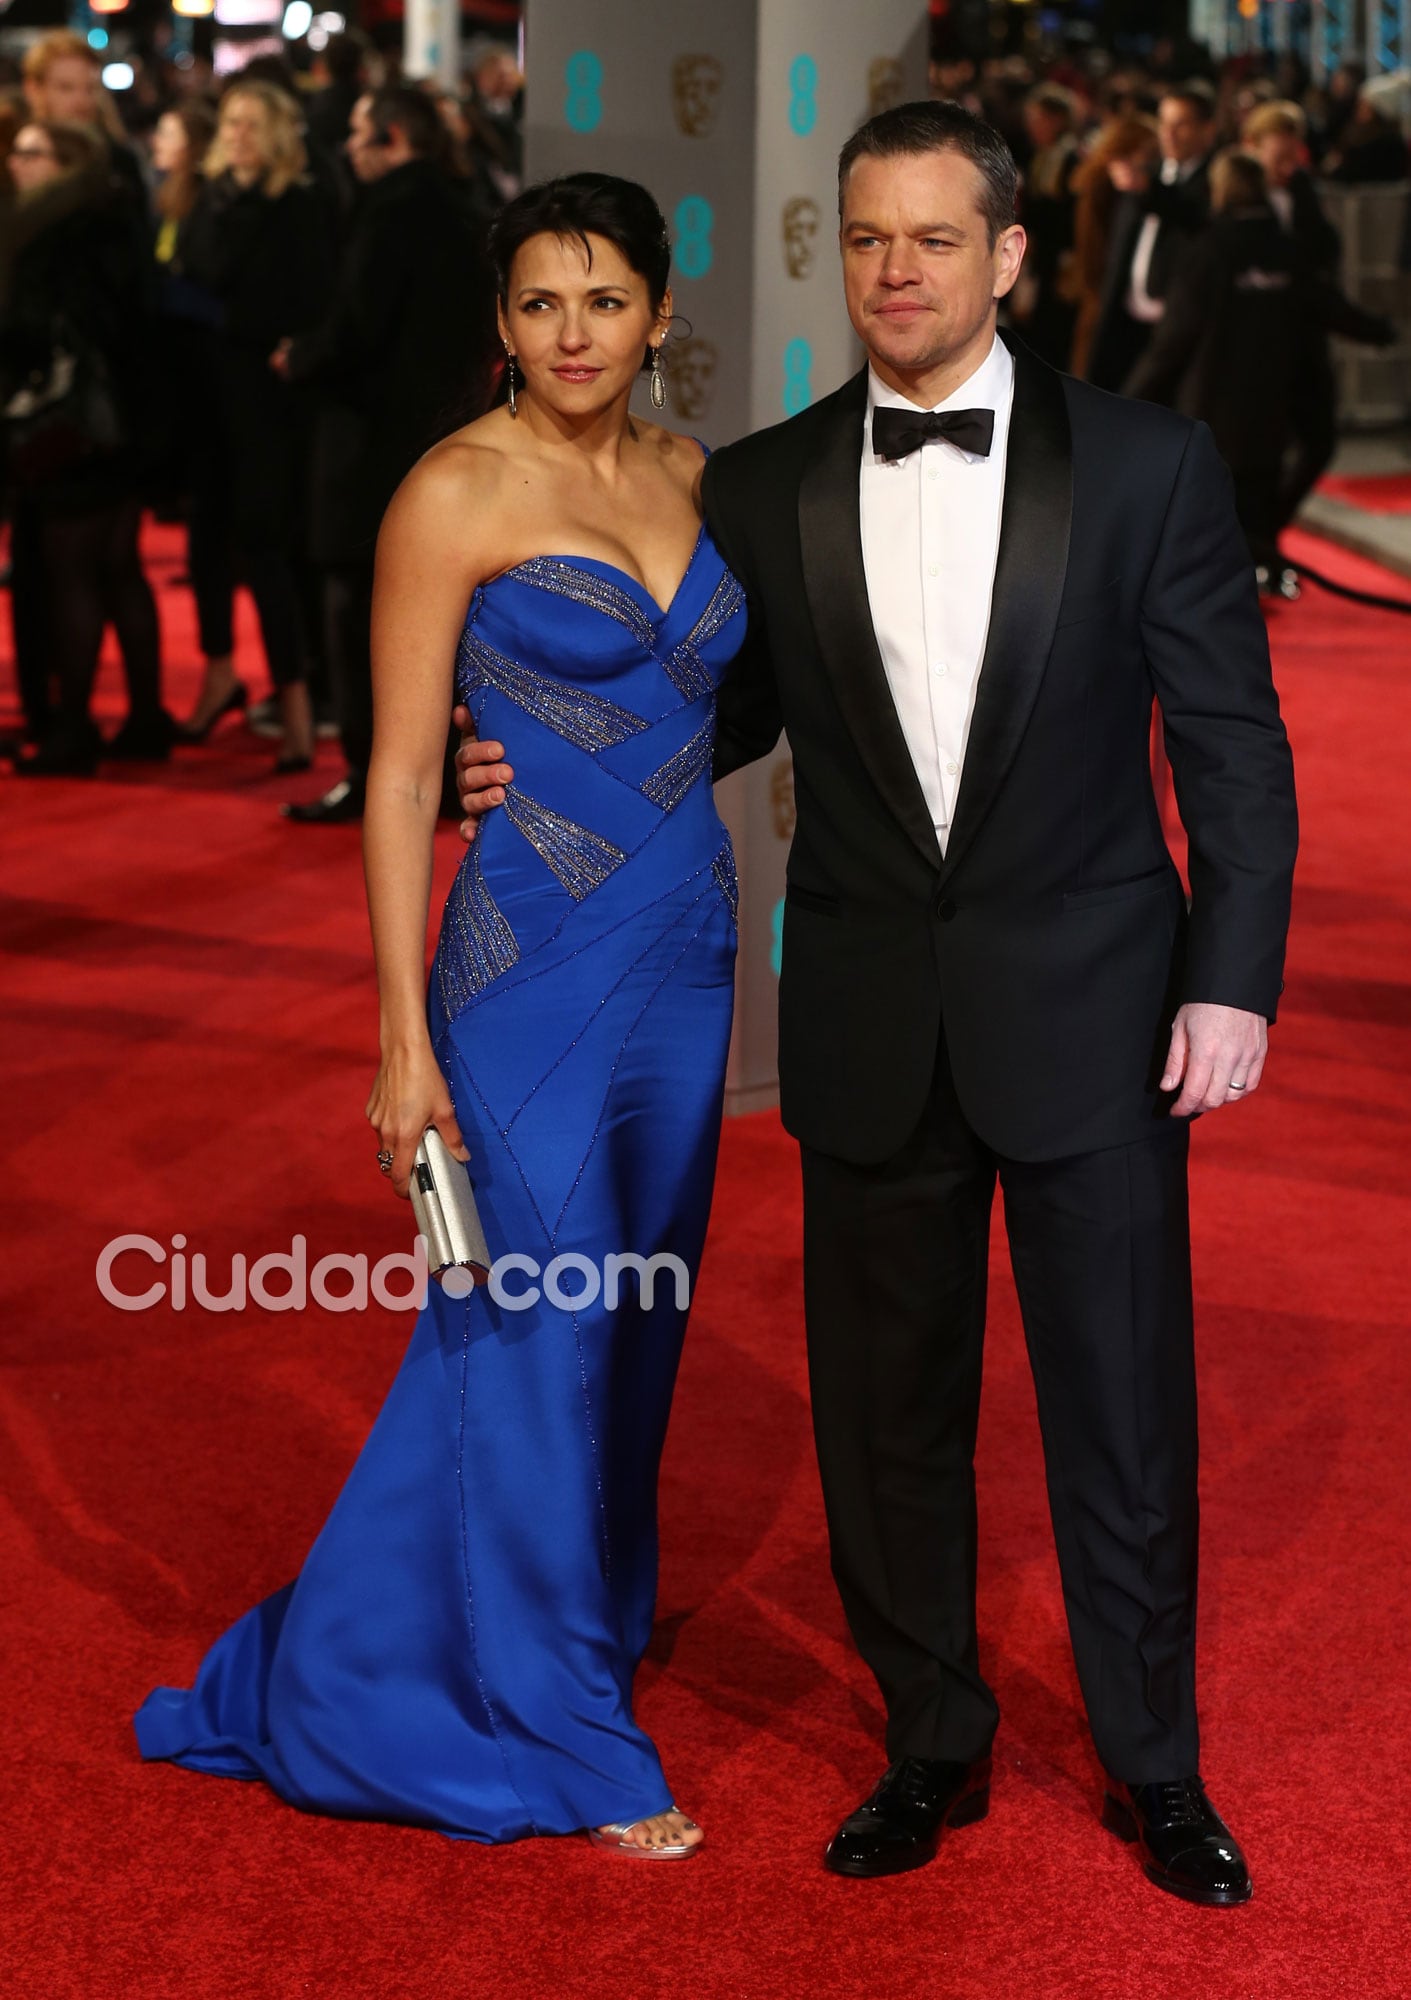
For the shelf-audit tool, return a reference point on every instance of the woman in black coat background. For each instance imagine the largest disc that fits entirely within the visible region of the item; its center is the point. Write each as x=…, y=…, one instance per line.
x=78, y=295
x=260, y=240
x=1227, y=350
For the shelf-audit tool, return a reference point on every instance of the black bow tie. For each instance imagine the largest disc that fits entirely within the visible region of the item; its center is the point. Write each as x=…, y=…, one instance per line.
x=896, y=433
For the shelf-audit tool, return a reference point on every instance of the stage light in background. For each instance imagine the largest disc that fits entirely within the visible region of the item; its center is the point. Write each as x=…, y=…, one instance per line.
x=249, y=13
x=298, y=19
x=97, y=38
x=194, y=9
x=108, y=6
x=325, y=26
x=118, y=76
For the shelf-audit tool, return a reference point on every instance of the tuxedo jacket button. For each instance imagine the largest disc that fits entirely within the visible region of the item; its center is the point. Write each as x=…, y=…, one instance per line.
x=945, y=908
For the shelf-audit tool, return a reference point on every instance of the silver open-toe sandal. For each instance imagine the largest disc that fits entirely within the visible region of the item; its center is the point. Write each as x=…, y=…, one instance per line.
x=614, y=1839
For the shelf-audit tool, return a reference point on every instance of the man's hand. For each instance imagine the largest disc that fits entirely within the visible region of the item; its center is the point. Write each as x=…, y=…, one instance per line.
x=1216, y=1056
x=480, y=776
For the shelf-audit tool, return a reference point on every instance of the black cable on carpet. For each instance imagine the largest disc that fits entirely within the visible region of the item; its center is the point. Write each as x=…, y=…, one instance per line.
x=1357, y=596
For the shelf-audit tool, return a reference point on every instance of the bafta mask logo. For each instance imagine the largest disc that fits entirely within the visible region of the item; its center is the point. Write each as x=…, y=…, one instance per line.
x=695, y=94
x=781, y=797
x=802, y=221
x=693, y=367
x=884, y=84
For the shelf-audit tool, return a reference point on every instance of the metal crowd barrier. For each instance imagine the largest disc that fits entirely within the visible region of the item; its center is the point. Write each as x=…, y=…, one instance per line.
x=1374, y=384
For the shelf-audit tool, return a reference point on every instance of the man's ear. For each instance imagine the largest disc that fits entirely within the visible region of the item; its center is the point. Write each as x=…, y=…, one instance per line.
x=1008, y=259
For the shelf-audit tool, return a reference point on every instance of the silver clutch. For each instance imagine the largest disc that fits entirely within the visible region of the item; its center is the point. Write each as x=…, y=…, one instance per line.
x=444, y=1200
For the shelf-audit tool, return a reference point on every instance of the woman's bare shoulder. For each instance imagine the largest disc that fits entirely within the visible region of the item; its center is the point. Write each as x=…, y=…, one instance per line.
x=681, y=457
x=676, y=448
x=454, y=496
x=473, y=464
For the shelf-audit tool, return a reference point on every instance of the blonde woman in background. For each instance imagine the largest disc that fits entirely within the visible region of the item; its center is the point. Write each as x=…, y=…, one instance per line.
x=258, y=243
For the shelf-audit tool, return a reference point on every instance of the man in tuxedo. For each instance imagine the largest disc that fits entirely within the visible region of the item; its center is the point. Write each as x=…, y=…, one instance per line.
x=1150, y=226
x=398, y=361
x=1277, y=134
x=967, y=575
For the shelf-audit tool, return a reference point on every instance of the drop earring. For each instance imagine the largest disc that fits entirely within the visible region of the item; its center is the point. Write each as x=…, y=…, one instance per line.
x=510, y=375
x=658, y=388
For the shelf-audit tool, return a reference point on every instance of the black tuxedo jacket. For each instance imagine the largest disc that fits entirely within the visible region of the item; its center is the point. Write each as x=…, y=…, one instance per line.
x=1243, y=310
x=1184, y=209
x=1052, y=940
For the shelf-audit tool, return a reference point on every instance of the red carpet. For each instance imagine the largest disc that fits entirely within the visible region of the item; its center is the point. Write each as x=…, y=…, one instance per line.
x=190, y=1031
x=1374, y=492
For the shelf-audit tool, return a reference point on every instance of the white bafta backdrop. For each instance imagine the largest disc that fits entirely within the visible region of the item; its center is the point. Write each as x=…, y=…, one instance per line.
x=733, y=114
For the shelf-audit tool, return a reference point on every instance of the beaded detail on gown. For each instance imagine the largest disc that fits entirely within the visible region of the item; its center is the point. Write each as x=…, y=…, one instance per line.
x=459, y=1648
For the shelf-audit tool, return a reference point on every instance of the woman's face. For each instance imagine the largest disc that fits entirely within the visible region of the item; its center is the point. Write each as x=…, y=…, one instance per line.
x=171, y=149
x=244, y=134
x=33, y=160
x=578, y=329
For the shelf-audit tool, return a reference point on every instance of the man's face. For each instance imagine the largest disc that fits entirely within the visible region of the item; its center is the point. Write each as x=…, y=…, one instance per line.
x=69, y=92
x=919, y=271
x=1185, y=133
x=1280, y=154
x=367, y=153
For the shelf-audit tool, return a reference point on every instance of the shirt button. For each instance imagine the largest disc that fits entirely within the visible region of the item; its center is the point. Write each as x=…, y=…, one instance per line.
x=951, y=769
x=940, y=669
x=933, y=569
x=933, y=475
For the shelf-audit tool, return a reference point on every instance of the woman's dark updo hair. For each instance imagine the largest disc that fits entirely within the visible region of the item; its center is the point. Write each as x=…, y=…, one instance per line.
x=583, y=205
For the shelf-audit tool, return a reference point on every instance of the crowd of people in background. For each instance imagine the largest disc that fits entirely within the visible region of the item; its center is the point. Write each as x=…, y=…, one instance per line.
x=252, y=317
x=1179, y=249
x=251, y=307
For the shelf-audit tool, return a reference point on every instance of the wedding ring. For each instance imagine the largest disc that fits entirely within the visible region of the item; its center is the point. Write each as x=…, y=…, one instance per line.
x=1239, y=1086
x=384, y=1161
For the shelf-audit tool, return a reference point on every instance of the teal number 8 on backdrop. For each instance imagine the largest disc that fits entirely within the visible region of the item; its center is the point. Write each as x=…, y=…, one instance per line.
x=803, y=104
x=798, y=389
x=694, y=219
x=583, y=107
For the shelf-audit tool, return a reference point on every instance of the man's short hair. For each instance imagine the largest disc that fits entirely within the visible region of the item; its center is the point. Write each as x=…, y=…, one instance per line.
x=415, y=115
x=1053, y=98
x=940, y=126
x=1281, y=119
x=1236, y=180
x=59, y=45
x=1199, y=96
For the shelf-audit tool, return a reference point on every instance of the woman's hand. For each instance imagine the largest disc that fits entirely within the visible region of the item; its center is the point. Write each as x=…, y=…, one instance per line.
x=408, y=1094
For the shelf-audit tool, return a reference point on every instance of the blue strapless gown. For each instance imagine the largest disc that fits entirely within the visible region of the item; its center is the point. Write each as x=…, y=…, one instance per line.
x=459, y=1648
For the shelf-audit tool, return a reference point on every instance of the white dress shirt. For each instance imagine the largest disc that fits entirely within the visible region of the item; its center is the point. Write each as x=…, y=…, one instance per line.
x=930, y=538
x=1140, y=304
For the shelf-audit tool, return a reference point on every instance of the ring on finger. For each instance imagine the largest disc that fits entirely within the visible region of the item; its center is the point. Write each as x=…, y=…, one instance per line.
x=1239, y=1086
x=384, y=1161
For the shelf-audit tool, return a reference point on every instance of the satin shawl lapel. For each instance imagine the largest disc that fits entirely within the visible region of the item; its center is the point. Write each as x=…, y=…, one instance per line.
x=830, y=535
x=1033, y=558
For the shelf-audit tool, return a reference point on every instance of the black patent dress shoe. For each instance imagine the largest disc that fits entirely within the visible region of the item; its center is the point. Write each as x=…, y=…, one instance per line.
x=342, y=803
x=900, y=1825
x=143, y=739
x=66, y=753
x=1185, y=1846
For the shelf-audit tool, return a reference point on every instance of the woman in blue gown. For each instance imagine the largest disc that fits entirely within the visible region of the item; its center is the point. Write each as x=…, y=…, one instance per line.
x=459, y=1648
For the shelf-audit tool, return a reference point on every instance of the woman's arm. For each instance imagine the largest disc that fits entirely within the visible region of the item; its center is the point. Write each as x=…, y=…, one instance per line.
x=426, y=571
